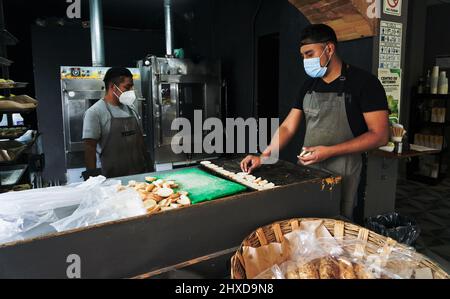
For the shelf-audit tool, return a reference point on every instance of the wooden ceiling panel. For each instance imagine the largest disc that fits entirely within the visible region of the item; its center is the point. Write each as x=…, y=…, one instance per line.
x=347, y=17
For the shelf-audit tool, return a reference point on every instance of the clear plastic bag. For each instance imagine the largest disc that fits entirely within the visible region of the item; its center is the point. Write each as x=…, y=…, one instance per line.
x=334, y=258
x=397, y=263
x=304, y=242
x=104, y=204
x=12, y=228
x=318, y=258
x=308, y=254
x=313, y=253
x=21, y=212
x=39, y=200
x=372, y=262
x=272, y=273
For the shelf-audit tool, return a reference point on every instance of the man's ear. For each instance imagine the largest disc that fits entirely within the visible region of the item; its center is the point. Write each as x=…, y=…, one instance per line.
x=110, y=88
x=331, y=49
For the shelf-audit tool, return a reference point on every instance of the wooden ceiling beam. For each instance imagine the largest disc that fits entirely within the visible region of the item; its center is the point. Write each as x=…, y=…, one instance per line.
x=347, y=17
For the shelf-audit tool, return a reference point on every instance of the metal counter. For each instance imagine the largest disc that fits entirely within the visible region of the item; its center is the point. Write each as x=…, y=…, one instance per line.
x=150, y=245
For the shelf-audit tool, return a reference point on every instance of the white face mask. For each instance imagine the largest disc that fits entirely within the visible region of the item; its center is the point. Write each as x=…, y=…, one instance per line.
x=127, y=98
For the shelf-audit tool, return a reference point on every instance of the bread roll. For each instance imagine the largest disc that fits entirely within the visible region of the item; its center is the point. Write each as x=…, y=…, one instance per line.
x=346, y=269
x=292, y=271
x=328, y=268
x=361, y=272
x=308, y=271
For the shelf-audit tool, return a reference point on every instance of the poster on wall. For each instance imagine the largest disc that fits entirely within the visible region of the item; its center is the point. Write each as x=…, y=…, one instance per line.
x=392, y=83
x=391, y=36
x=393, y=7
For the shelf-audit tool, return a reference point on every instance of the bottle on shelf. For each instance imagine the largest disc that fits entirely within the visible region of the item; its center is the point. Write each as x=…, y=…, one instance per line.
x=405, y=143
x=428, y=83
x=421, y=87
x=435, y=80
x=443, y=83
x=427, y=114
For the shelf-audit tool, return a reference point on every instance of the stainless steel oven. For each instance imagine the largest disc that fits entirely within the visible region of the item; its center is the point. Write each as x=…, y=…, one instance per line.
x=175, y=88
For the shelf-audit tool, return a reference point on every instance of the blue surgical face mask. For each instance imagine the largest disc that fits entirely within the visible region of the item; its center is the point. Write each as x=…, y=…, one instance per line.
x=313, y=67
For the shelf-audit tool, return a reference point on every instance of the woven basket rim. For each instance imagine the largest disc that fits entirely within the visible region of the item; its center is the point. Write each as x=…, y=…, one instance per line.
x=236, y=258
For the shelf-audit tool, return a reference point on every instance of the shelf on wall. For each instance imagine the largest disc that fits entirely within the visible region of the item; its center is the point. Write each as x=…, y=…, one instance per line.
x=404, y=155
x=7, y=38
x=18, y=104
x=5, y=62
x=430, y=123
x=11, y=175
x=426, y=179
x=13, y=111
x=17, y=148
x=433, y=96
x=13, y=85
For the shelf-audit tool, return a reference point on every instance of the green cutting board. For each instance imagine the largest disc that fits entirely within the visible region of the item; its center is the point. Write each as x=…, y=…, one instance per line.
x=201, y=185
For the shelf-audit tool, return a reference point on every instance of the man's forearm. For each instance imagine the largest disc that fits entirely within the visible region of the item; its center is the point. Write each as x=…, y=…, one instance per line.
x=90, y=157
x=363, y=143
x=281, y=138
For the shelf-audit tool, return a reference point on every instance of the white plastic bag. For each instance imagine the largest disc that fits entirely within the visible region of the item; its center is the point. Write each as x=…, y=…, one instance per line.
x=104, y=204
x=39, y=200
x=23, y=211
x=12, y=227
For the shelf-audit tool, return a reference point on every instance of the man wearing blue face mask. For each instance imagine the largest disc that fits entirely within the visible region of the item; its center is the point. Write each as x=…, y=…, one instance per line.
x=111, y=129
x=346, y=114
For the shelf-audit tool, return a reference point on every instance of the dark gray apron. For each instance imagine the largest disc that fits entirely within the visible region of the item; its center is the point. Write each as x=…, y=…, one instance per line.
x=124, y=150
x=327, y=125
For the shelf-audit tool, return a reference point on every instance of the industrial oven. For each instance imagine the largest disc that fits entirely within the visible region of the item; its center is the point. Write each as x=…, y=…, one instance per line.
x=175, y=88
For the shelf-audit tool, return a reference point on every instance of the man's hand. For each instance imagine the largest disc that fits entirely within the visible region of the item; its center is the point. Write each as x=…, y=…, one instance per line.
x=318, y=154
x=250, y=163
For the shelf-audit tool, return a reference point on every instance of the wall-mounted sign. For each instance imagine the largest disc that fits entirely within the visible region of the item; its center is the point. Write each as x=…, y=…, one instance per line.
x=393, y=7
x=392, y=83
x=391, y=35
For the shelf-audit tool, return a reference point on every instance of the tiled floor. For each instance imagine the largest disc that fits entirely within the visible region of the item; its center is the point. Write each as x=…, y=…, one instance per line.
x=430, y=206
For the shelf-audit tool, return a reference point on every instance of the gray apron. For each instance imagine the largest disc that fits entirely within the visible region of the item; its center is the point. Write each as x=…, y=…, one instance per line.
x=327, y=125
x=124, y=150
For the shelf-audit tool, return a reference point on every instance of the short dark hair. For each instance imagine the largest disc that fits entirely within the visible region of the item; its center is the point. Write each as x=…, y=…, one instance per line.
x=116, y=75
x=317, y=33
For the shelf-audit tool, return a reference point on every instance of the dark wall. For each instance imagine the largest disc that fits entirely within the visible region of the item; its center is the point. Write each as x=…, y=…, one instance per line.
x=292, y=74
x=437, y=40
x=414, y=56
x=234, y=45
x=58, y=46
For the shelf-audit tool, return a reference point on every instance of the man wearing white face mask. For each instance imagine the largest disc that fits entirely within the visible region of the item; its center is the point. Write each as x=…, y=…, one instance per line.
x=346, y=114
x=111, y=129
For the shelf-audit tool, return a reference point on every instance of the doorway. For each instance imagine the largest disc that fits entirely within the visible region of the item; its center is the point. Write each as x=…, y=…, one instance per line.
x=268, y=80
x=268, y=76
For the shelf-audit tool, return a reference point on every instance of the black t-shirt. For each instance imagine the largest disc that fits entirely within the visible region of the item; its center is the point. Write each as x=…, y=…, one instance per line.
x=367, y=95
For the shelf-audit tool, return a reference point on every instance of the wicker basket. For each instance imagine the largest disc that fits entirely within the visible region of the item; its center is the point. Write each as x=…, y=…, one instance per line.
x=339, y=229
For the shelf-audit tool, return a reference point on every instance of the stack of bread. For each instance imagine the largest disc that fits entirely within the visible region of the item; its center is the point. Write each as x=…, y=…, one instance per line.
x=160, y=195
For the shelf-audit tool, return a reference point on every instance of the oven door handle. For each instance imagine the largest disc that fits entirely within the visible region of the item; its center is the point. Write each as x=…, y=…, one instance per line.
x=161, y=137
